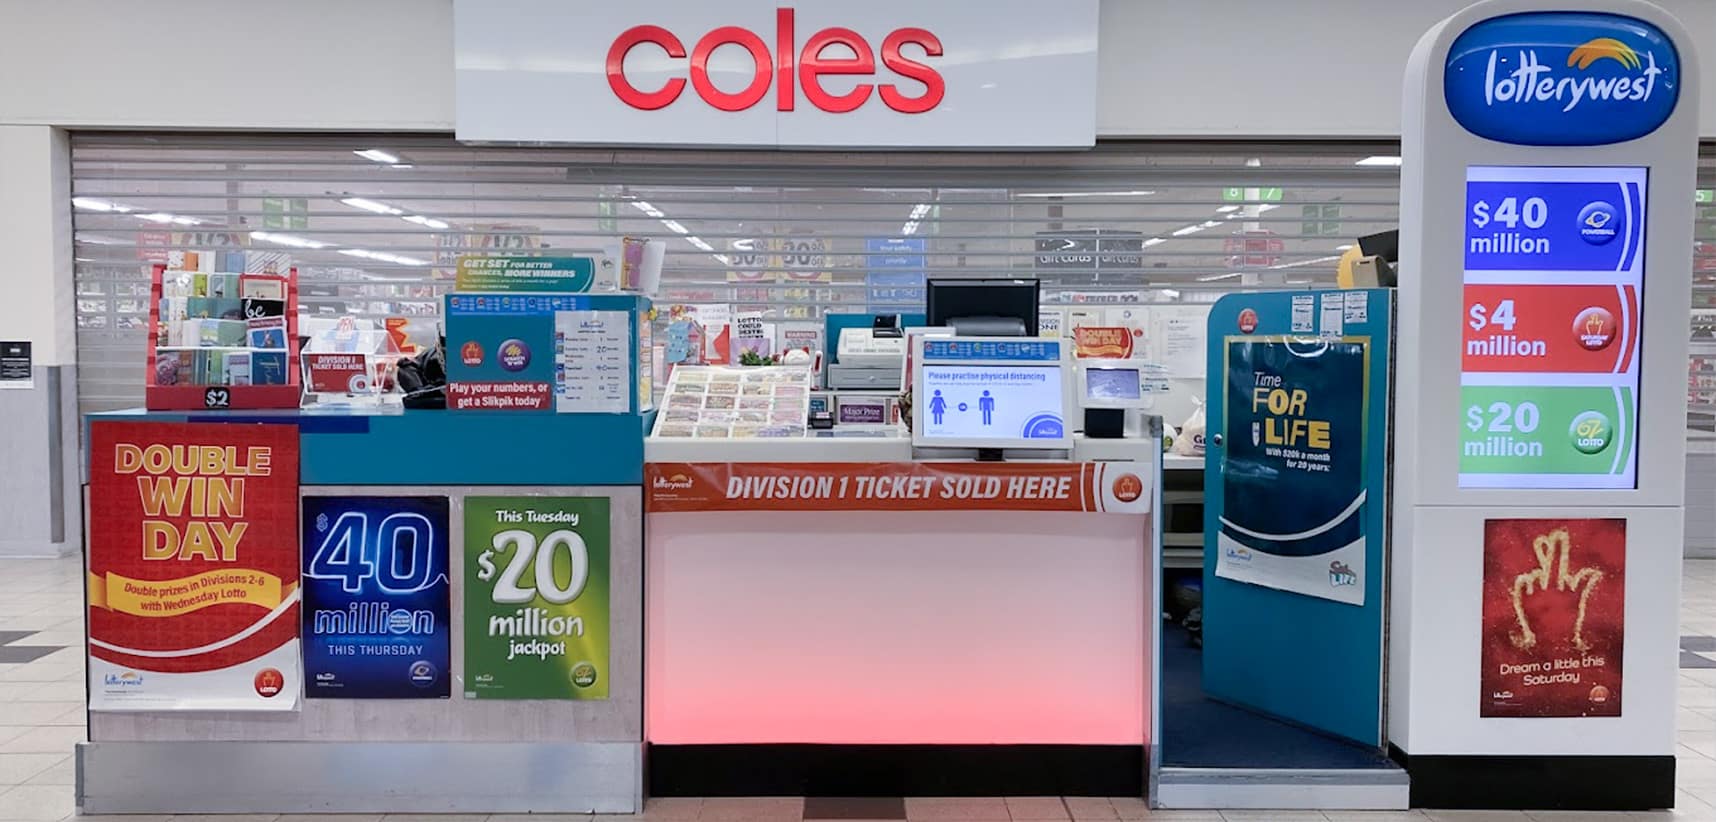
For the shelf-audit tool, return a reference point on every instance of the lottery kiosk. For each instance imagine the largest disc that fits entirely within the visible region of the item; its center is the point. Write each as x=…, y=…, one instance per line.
x=961, y=608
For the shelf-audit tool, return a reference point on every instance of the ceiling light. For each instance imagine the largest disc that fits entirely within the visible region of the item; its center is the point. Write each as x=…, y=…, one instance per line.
x=1210, y=278
x=1343, y=247
x=1378, y=160
x=1227, y=208
x=163, y=217
x=699, y=242
x=92, y=204
x=371, y=205
x=377, y=155
x=1154, y=241
x=1296, y=282
x=1191, y=229
x=286, y=239
x=402, y=165
x=1084, y=193
x=382, y=256
x=675, y=227
x=425, y=221
x=1170, y=293
x=647, y=209
x=1301, y=263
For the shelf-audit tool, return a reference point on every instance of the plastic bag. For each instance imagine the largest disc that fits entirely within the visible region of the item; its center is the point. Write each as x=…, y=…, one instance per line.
x=1190, y=442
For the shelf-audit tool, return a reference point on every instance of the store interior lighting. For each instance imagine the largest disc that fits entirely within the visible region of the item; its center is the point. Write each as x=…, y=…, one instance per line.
x=376, y=155
x=913, y=222
x=372, y=205
x=92, y=204
x=286, y=239
x=1302, y=263
x=382, y=256
x=1210, y=278
x=1378, y=160
x=1048, y=194
x=679, y=228
x=421, y=220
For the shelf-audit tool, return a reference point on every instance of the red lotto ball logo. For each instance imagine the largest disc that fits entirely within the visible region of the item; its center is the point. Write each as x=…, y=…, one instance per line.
x=269, y=682
x=1248, y=321
x=1128, y=487
x=471, y=353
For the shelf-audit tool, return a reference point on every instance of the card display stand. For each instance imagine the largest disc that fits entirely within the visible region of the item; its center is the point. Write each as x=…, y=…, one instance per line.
x=212, y=342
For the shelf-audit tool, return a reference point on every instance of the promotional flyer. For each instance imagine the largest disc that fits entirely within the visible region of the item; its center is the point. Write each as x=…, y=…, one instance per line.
x=1093, y=487
x=1296, y=409
x=1554, y=617
x=536, y=598
x=193, y=567
x=376, y=598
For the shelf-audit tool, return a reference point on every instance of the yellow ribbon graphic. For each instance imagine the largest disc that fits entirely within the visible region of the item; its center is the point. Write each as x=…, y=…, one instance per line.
x=173, y=597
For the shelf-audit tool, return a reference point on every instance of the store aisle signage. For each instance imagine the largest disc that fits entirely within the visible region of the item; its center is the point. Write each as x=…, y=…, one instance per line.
x=193, y=592
x=1562, y=78
x=680, y=72
x=1091, y=487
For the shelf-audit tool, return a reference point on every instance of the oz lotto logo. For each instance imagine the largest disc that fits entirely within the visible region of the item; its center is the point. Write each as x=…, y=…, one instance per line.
x=376, y=597
x=1562, y=78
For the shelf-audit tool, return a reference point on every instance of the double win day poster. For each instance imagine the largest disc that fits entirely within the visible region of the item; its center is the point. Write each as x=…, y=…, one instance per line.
x=1554, y=617
x=376, y=598
x=1293, y=514
x=536, y=597
x=193, y=567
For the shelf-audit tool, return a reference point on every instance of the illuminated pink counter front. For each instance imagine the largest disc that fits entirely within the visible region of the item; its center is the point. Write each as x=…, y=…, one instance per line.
x=897, y=627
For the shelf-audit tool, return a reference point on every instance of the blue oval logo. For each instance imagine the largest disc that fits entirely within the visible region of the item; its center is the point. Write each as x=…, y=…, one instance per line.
x=1562, y=79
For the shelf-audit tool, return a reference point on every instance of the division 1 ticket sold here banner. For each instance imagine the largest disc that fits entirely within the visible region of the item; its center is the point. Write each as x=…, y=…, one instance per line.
x=1097, y=487
x=537, y=597
x=193, y=567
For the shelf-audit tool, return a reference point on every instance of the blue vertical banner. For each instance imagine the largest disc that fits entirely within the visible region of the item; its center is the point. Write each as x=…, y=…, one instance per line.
x=894, y=272
x=1296, y=419
x=376, y=598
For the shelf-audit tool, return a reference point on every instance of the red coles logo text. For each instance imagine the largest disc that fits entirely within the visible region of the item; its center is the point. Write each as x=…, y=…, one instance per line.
x=788, y=67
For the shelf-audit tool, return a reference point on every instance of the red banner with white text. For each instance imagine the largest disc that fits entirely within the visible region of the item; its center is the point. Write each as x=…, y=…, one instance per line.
x=1095, y=487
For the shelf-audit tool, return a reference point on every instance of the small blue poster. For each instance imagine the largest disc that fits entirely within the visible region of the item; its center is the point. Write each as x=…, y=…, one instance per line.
x=376, y=598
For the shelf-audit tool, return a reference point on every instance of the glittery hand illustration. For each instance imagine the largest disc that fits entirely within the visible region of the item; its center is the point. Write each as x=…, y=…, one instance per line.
x=1554, y=552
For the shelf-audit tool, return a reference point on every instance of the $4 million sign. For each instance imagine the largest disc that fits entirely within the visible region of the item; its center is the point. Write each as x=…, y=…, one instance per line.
x=537, y=598
x=193, y=567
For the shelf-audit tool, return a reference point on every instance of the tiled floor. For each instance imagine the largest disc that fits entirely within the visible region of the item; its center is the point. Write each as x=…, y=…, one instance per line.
x=41, y=718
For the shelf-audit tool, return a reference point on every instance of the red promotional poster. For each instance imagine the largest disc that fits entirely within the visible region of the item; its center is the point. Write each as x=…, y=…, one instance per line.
x=1554, y=606
x=193, y=567
x=1095, y=487
x=1103, y=341
x=1588, y=329
x=336, y=373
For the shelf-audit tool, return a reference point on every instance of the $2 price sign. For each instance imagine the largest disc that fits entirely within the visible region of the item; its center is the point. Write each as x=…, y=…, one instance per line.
x=537, y=593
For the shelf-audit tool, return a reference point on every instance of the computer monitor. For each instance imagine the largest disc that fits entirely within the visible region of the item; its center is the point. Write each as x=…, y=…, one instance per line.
x=1117, y=383
x=984, y=307
x=987, y=392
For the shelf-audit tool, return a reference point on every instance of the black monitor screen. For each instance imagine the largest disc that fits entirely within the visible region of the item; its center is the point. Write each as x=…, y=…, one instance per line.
x=984, y=308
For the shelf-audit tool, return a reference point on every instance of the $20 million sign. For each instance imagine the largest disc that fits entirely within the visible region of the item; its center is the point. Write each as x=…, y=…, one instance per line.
x=536, y=598
x=193, y=567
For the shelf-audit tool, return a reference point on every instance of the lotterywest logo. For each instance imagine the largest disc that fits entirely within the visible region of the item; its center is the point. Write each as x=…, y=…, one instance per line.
x=1562, y=78
x=677, y=482
x=832, y=51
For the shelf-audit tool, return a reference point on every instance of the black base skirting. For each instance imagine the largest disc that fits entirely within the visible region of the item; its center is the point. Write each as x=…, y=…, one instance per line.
x=895, y=770
x=1582, y=783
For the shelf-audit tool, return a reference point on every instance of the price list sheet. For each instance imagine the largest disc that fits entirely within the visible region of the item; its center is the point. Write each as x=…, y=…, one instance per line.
x=1549, y=374
x=592, y=362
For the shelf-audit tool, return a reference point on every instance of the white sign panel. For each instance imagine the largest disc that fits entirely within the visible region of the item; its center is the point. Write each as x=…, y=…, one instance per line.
x=881, y=74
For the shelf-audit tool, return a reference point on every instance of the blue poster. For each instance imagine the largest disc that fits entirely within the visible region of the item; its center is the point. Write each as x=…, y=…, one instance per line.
x=1554, y=219
x=1296, y=410
x=894, y=271
x=376, y=598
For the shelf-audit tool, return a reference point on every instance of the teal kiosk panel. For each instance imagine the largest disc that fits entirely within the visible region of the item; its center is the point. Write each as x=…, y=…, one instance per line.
x=1295, y=504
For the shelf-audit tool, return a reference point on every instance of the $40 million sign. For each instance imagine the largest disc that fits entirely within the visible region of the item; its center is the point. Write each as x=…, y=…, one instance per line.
x=193, y=567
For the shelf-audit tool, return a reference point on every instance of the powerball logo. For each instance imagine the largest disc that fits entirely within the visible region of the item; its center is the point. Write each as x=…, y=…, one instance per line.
x=1562, y=78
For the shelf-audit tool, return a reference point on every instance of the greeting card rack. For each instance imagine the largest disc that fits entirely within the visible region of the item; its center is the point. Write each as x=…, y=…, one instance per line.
x=222, y=340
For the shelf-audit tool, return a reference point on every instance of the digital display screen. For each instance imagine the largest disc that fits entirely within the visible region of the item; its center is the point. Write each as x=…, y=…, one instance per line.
x=1112, y=384
x=990, y=402
x=1549, y=366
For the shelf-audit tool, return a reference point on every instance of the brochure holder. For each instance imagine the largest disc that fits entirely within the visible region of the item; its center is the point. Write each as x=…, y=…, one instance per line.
x=204, y=373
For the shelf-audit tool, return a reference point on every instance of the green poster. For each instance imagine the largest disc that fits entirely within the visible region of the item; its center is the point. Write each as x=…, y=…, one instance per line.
x=1571, y=429
x=536, y=597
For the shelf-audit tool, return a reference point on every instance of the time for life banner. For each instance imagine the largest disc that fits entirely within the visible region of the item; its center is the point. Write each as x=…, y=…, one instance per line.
x=193, y=567
x=1294, y=484
x=1554, y=617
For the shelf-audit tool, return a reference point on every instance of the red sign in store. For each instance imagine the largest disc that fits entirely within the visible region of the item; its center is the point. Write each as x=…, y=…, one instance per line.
x=1586, y=329
x=1093, y=487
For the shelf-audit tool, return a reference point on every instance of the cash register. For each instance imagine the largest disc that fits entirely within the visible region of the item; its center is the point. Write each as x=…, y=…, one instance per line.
x=869, y=358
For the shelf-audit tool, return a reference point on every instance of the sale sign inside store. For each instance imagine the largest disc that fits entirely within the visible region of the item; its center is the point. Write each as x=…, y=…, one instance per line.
x=193, y=567
x=1097, y=487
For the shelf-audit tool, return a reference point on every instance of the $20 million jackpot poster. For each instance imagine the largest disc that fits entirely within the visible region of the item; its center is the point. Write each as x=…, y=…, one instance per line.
x=193, y=567
x=1554, y=610
x=536, y=598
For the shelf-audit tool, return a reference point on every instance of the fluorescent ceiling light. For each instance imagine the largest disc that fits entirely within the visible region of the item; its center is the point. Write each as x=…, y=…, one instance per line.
x=286, y=239
x=1378, y=160
x=676, y=227
x=1343, y=247
x=1301, y=263
x=1227, y=208
x=1085, y=193
x=1210, y=278
x=1170, y=293
x=382, y=256
x=1154, y=241
x=699, y=242
x=647, y=209
x=372, y=205
x=92, y=204
x=913, y=221
x=1297, y=282
x=97, y=239
x=425, y=221
x=402, y=165
x=377, y=155
x=162, y=217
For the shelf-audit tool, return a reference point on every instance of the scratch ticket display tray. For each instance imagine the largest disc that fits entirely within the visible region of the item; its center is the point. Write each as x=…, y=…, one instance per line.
x=193, y=567
x=712, y=402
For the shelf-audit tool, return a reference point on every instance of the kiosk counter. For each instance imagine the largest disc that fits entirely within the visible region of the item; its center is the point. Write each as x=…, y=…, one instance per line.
x=858, y=615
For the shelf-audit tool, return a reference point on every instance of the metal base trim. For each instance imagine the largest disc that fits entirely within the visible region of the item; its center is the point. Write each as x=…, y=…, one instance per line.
x=359, y=777
x=1282, y=789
